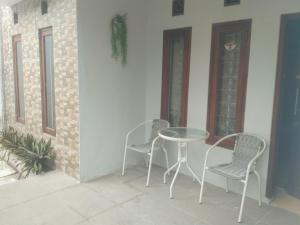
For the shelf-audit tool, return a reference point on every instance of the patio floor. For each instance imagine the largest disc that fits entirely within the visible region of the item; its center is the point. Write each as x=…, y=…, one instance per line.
x=56, y=199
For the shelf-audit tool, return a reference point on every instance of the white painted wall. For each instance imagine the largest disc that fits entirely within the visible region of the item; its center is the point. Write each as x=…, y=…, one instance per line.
x=200, y=15
x=112, y=97
x=1, y=76
x=9, y=2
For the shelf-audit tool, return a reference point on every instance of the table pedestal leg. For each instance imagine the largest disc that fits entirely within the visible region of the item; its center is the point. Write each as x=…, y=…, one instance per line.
x=182, y=158
x=169, y=170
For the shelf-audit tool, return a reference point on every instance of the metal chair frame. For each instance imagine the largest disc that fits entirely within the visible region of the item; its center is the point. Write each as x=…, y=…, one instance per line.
x=156, y=144
x=250, y=168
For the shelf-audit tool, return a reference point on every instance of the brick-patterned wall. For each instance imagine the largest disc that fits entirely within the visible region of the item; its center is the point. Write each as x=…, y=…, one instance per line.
x=62, y=17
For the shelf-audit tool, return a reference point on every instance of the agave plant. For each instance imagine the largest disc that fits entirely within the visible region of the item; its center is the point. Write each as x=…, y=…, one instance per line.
x=10, y=141
x=34, y=155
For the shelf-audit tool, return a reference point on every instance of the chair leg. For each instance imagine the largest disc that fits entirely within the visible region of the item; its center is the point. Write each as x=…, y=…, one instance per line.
x=167, y=158
x=243, y=199
x=202, y=185
x=124, y=161
x=149, y=169
x=226, y=181
x=259, y=187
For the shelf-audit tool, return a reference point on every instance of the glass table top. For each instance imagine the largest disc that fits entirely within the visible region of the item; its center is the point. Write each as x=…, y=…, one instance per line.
x=183, y=134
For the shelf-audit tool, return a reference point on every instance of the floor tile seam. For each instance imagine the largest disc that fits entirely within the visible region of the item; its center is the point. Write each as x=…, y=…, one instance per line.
x=136, y=188
x=114, y=206
x=268, y=211
x=190, y=214
x=133, y=179
x=204, y=222
x=224, y=206
x=237, y=209
x=100, y=192
x=77, y=212
x=35, y=198
x=264, y=216
x=29, y=217
x=92, y=188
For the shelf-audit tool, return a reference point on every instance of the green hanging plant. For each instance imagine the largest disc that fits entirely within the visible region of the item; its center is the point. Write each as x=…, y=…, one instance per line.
x=119, y=38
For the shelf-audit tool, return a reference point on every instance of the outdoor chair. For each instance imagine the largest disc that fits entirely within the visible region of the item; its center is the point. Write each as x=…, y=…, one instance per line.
x=247, y=149
x=147, y=145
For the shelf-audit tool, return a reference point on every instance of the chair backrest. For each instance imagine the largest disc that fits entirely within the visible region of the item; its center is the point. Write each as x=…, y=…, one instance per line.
x=157, y=124
x=247, y=146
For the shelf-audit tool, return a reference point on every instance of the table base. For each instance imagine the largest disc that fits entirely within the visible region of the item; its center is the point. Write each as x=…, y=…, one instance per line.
x=182, y=159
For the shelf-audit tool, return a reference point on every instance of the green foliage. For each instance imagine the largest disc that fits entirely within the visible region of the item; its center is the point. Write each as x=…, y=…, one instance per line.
x=33, y=154
x=119, y=38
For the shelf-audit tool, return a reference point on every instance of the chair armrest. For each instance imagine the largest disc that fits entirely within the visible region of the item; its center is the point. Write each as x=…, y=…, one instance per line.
x=215, y=145
x=136, y=128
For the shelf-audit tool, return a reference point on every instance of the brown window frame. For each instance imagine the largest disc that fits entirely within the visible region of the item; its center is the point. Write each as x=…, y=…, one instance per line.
x=241, y=25
x=42, y=34
x=15, y=39
x=167, y=37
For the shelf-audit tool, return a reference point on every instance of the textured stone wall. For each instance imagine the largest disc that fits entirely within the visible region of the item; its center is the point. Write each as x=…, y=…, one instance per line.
x=62, y=17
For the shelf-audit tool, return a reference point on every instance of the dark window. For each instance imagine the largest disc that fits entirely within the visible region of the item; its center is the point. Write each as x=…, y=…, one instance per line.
x=175, y=77
x=19, y=79
x=231, y=2
x=44, y=6
x=47, y=80
x=228, y=79
x=178, y=7
x=16, y=17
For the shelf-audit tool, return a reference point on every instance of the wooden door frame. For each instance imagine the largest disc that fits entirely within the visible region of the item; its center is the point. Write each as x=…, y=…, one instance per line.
x=167, y=35
x=285, y=18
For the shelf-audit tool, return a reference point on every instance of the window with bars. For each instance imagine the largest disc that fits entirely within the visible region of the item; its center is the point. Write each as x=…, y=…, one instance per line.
x=228, y=79
x=47, y=80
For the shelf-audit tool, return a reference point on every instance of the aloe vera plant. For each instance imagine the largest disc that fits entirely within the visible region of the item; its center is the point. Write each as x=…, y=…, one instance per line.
x=34, y=155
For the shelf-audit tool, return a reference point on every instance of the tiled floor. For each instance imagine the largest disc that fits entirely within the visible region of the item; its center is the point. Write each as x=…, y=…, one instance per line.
x=55, y=199
x=7, y=173
x=286, y=201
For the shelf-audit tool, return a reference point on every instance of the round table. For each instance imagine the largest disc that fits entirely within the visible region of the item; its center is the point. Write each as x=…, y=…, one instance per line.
x=182, y=135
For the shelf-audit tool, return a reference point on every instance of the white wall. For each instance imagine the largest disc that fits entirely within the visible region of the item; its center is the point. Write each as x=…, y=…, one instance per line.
x=200, y=15
x=112, y=97
x=1, y=75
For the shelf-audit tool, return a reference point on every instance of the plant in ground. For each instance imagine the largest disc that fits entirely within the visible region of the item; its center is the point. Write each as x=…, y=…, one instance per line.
x=35, y=156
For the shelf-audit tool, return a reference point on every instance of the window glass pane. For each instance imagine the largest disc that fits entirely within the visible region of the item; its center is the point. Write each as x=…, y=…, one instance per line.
x=175, y=80
x=44, y=7
x=228, y=83
x=20, y=79
x=178, y=7
x=49, y=78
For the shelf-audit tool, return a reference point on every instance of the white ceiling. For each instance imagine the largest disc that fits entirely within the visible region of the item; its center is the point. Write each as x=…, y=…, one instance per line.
x=8, y=2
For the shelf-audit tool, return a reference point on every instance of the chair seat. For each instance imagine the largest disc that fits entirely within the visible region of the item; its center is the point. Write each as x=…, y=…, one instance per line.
x=142, y=148
x=229, y=170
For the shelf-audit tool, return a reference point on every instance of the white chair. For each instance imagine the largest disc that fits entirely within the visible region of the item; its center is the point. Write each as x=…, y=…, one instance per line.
x=149, y=144
x=247, y=149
